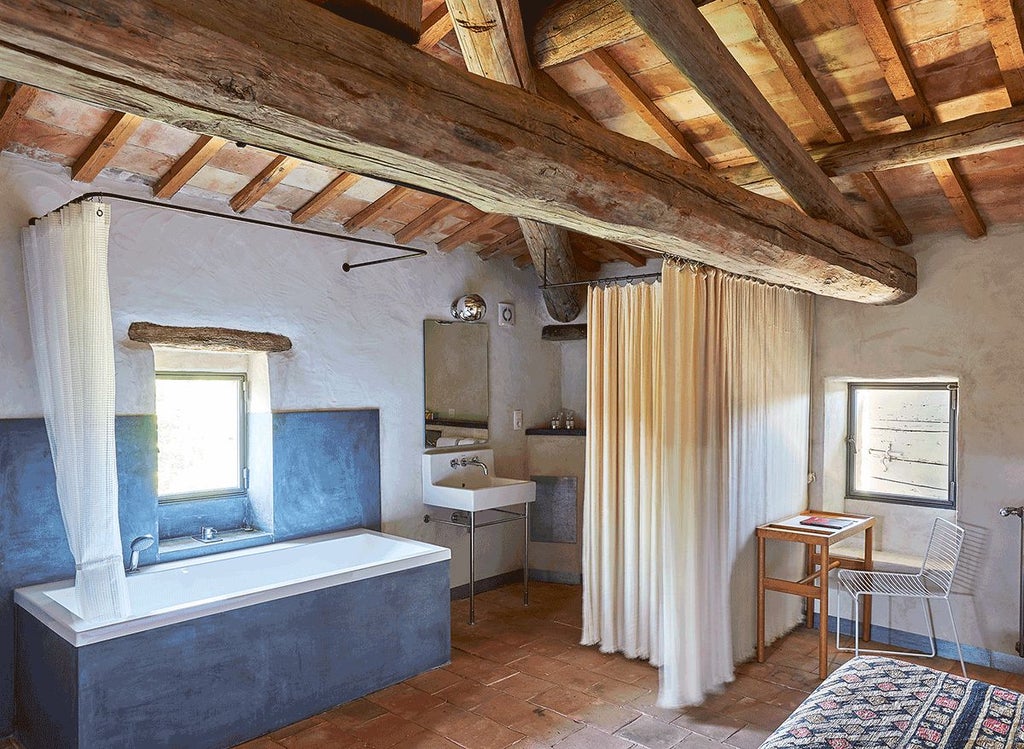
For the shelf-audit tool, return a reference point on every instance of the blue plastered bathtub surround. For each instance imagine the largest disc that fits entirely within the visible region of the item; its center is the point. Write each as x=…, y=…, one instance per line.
x=247, y=671
x=326, y=478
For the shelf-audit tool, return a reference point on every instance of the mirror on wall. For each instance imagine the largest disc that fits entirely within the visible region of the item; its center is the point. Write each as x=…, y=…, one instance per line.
x=455, y=378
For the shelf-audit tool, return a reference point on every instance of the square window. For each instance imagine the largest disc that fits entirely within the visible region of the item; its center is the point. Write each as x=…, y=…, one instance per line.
x=901, y=443
x=201, y=428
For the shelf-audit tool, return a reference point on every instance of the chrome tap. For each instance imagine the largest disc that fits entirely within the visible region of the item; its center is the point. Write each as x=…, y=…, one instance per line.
x=474, y=462
x=139, y=544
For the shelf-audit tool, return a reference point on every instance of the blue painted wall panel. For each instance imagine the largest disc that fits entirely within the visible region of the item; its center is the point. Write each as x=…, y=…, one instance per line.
x=326, y=472
x=222, y=679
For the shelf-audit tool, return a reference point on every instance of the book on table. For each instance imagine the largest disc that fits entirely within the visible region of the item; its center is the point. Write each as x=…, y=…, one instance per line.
x=822, y=521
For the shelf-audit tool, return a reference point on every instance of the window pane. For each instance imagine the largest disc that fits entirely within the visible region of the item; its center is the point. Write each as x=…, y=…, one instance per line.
x=902, y=442
x=198, y=435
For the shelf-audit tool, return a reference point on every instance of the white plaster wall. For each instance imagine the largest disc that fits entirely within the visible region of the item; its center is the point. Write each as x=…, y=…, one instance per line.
x=357, y=337
x=964, y=323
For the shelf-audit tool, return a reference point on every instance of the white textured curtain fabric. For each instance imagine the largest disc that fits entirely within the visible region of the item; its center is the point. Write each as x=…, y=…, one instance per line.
x=622, y=507
x=737, y=357
x=69, y=313
x=698, y=404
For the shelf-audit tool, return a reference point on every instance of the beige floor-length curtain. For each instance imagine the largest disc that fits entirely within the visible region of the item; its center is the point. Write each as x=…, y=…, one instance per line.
x=622, y=508
x=736, y=364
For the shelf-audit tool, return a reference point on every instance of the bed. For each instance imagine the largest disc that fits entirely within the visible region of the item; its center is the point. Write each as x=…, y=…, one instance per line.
x=880, y=702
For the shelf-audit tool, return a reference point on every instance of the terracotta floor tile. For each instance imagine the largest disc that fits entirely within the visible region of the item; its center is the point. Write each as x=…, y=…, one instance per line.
x=467, y=694
x=547, y=727
x=352, y=714
x=591, y=738
x=651, y=733
x=615, y=691
x=696, y=741
x=647, y=703
x=265, y=742
x=467, y=729
x=537, y=665
x=294, y=728
x=748, y=737
x=478, y=669
x=386, y=731
x=434, y=681
x=709, y=723
x=522, y=686
x=322, y=735
x=624, y=669
x=505, y=709
x=404, y=700
x=551, y=647
x=429, y=740
x=586, y=708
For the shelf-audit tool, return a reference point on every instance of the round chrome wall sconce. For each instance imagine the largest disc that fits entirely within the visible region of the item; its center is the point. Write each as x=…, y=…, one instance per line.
x=469, y=308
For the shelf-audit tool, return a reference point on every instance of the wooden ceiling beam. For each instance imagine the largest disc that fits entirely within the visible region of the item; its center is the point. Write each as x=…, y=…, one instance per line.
x=977, y=133
x=638, y=100
x=186, y=167
x=263, y=183
x=1005, y=22
x=377, y=208
x=105, y=145
x=430, y=216
x=798, y=73
x=407, y=118
x=470, y=232
x=15, y=101
x=684, y=36
x=436, y=27
x=501, y=245
x=523, y=261
x=398, y=18
x=571, y=28
x=325, y=197
x=881, y=34
x=493, y=43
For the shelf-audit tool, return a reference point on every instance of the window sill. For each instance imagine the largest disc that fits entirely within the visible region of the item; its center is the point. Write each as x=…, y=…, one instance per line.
x=883, y=561
x=183, y=547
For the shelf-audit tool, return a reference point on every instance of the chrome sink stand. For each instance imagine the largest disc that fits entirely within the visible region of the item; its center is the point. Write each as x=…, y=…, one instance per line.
x=466, y=519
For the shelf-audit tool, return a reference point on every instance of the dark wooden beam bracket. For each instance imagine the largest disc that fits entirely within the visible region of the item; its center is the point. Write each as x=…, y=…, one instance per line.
x=208, y=338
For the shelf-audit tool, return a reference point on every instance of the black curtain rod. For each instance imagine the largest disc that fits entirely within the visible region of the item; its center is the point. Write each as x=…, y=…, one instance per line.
x=607, y=279
x=410, y=251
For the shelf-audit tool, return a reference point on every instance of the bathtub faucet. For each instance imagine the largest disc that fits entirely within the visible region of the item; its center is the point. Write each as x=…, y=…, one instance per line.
x=139, y=544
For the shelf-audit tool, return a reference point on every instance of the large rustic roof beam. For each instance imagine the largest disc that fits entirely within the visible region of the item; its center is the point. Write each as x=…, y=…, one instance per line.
x=798, y=73
x=493, y=43
x=892, y=58
x=399, y=18
x=403, y=117
x=686, y=38
x=977, y=133
x=1005, y=22
x=14, y=102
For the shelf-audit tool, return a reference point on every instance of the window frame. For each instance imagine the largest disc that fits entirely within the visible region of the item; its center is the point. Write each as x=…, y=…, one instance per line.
x=242, y=489
x=851, y=443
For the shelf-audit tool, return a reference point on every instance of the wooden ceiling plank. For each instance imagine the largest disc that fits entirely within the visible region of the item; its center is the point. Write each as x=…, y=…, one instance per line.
x=638, y=100
x=523, y=261
x=470, y=231
x=377, y=208
x=683, y=35
x=436, y=27
x=493, y=43
x=780, y=44
x=325, y=197
x=186, y=167
x=571, y=28
x=15, y=100
x=430, y=216
x=975, y=134
x=880, y=32
x=395, y=119
x=500, y=245
x=263, y=183
x=105, y=145
x=1005, y=22
x=586, y=263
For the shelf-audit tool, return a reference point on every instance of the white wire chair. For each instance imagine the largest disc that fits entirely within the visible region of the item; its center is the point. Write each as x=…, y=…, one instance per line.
x=932, y=582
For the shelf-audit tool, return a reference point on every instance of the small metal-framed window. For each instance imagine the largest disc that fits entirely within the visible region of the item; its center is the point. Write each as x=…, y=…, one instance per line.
x=901, y=442
x=202, y=450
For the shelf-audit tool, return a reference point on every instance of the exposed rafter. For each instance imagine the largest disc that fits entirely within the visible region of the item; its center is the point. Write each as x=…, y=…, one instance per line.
x=324, y=198
x=1005, y=22
x=14, y=102
x=470, y=232
x=104, y=147
x=185, y=168
x=430, y=216
x=377, y=208
x=892, y=58
x=686, y=38
x=436, y=27
x=263, y=183
x=794, y=67
x=395, y=119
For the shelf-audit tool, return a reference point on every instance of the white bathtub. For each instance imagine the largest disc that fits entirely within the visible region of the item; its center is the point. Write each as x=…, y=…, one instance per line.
x=172, y=592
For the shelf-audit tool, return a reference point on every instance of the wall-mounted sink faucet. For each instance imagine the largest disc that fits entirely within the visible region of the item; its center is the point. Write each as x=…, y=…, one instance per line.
x=463, y=462
x=139, y=545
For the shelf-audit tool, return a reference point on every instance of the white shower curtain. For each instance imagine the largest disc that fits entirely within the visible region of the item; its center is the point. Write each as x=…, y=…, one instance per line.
x=727, y=436
x=69, y=314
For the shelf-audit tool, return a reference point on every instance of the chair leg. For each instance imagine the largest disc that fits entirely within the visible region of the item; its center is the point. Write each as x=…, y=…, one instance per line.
x=956, y=638
x=856, y=625
x=926, y=605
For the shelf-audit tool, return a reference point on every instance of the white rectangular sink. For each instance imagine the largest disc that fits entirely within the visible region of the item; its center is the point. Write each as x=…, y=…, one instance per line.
x=466, y=487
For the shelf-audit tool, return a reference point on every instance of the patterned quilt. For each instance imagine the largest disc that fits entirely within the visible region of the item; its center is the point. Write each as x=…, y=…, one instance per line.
x=880, y=702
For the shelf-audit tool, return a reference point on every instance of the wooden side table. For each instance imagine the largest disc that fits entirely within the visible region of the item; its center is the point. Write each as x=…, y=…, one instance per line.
x=817, y=541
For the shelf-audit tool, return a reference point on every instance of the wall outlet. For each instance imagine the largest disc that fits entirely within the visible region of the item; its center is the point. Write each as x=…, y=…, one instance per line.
x=517, y=419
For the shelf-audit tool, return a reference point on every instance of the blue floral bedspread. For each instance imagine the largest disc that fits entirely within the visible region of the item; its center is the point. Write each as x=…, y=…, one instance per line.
x=880, y=702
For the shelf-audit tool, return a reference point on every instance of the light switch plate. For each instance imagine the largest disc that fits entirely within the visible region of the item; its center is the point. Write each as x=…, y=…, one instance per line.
x=517, y=419
x=506, y=315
